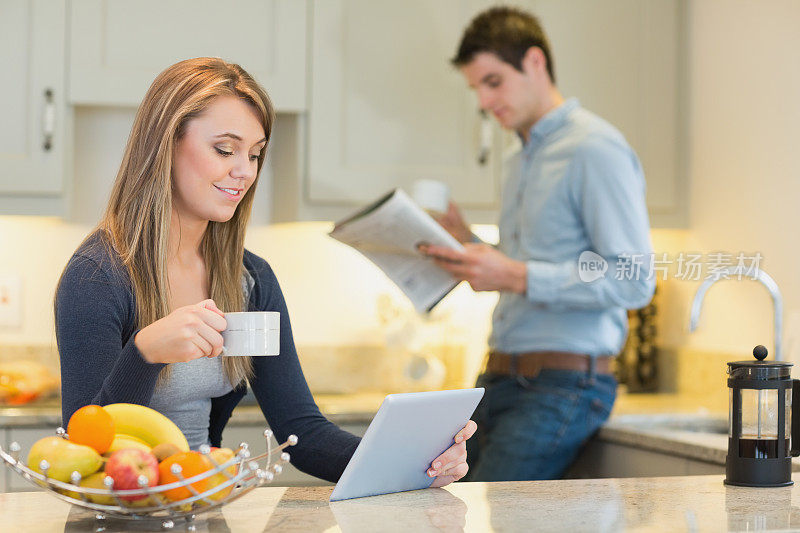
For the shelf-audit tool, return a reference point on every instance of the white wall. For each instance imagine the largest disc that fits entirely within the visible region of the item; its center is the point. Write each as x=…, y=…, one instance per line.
x=744, y=166
x=36, y=249
x=332, y=293
x=331, y=290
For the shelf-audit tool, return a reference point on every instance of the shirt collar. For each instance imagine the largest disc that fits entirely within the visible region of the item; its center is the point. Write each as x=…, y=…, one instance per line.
x=553, y=119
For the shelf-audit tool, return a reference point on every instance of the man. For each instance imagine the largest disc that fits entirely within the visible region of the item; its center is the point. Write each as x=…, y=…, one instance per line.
x=575, y=188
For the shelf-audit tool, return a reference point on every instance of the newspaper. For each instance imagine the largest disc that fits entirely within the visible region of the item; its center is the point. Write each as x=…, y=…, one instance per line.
x=387, y=232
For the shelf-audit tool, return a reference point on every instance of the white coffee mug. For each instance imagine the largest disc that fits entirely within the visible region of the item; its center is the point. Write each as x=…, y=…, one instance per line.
x=432, y=195
x=253, y=333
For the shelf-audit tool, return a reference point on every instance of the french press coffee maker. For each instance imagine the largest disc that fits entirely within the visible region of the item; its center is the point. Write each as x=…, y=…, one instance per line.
x=761, y=421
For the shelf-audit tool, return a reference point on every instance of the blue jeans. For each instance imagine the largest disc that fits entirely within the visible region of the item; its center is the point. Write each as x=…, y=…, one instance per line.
x=533, y=428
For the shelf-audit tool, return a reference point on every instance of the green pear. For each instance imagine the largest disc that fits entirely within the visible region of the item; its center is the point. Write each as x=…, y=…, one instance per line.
x=95, y=481
x=64, y=457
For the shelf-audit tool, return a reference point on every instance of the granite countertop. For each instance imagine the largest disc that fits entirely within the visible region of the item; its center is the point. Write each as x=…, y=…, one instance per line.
x=361, y=407
x=681, y=425
x=38, y=415
x=339, y=408
x=680, y=503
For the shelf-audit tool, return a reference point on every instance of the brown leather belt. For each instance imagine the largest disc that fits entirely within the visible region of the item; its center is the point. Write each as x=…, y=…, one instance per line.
x=529, y=364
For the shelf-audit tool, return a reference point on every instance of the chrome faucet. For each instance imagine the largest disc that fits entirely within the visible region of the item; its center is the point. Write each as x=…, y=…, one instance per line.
x=764, y=279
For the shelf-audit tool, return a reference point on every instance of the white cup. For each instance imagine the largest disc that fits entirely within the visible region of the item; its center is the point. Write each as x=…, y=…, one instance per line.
x=254, y=333
x=431, y=195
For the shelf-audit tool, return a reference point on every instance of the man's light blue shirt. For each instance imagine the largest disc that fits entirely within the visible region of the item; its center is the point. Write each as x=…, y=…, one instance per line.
x=575, y=186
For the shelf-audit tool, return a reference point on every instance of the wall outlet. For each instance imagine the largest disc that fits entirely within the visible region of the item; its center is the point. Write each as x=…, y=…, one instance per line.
x=11, y=301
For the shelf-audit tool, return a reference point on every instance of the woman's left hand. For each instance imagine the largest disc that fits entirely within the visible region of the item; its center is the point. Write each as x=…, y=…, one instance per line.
x=452, y=464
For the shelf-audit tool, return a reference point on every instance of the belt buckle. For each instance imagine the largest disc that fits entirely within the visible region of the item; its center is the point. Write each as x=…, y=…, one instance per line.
x=530, y=370
x=513, y=372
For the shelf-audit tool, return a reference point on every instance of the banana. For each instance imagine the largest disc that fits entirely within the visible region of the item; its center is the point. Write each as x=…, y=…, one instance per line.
x=127, y=441
x=146, y=424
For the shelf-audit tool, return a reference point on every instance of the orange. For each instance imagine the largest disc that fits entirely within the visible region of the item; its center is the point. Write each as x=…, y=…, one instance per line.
x=192, y=464
x=91, y=426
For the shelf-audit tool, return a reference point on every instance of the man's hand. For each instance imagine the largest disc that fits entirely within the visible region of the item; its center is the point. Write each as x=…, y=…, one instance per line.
x=454, y=223
x=482, y=266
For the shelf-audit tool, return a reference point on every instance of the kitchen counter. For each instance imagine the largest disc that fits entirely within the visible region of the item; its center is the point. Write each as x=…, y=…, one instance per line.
x=360, y=408
x=38, y=415
x=658, y=422
x=339, y=408
x=670, y=434
x=712, y=404
x=674, y=424
x=694, y=427
x=687, y=503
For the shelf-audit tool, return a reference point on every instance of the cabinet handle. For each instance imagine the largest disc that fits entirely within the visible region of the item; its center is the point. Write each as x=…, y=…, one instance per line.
x=487, y=136
x=48, y=120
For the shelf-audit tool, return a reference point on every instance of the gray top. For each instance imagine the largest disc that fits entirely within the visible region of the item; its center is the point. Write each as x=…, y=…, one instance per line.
x=185, y=397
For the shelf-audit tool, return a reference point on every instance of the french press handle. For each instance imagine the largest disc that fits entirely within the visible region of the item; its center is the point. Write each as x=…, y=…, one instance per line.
x=795, y=451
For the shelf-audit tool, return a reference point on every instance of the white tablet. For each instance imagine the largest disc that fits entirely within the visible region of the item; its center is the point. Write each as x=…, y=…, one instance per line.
x=407, y=434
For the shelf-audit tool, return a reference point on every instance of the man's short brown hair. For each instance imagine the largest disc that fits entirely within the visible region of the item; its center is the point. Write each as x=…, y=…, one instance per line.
x=506, y=32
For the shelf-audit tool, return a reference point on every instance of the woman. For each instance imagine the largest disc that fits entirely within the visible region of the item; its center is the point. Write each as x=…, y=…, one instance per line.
x=139, y=306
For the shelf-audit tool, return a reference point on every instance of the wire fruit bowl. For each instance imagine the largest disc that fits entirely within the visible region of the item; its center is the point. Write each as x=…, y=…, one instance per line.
x=249, y=475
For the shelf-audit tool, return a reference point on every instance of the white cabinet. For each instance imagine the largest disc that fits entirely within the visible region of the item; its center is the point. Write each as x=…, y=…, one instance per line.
x=626, y=61
x=32, y=106
x=26, y=438
x=253, y=435
x=117, y=47
x=386, y=106
x=5, y=472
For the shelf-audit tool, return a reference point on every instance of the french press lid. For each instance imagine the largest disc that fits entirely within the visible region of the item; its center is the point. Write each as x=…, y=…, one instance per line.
x=760, y=369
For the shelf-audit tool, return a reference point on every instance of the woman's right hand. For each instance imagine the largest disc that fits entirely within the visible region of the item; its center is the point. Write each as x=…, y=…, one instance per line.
x=454, y=223
x=185, y=334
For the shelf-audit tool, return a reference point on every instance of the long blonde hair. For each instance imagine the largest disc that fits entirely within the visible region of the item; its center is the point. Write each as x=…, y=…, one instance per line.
x=137, y=219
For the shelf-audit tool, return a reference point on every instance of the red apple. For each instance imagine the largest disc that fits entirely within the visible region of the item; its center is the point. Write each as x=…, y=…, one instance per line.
x=126, y=465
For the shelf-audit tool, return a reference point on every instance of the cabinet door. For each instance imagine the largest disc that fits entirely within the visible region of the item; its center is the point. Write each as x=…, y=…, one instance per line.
x=387, y=107
x=26, y=437
x=5, y=472
x=625, y=60
x=31, y=97
x=232, y=436
x=118, y=47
